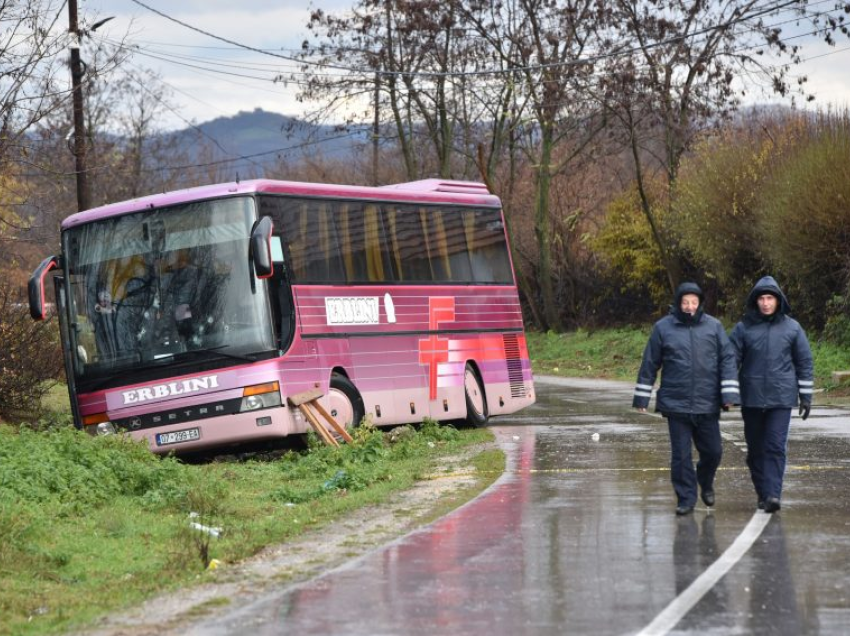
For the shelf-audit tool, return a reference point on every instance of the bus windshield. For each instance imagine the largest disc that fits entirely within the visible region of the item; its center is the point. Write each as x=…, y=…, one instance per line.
x=153, y=288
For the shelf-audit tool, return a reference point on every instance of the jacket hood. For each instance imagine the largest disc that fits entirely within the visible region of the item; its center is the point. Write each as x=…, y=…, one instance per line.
x=687, y=288
x=767, y=285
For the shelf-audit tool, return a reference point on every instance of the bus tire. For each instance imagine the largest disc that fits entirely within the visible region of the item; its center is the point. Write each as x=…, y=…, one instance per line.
x=476, y=402
x=346, y=403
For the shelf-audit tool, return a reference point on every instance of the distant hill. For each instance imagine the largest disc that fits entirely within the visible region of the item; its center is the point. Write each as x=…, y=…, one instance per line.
x=262, y=135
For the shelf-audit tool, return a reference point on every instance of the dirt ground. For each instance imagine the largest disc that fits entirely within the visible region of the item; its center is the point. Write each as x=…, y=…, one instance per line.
x=311, y=554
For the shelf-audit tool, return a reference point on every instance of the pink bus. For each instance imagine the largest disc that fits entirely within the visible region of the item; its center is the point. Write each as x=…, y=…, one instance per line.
x=189, y=317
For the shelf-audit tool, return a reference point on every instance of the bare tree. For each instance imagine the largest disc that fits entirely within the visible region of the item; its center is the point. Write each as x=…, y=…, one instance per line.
x=31, y=54
x=37, y=112
x=543, y=43
x=688, y=65
x=32, y=48
x=400, y=59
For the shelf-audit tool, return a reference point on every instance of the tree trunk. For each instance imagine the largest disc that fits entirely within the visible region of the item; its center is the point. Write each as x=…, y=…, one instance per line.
x=670, y=266
x=541, y=229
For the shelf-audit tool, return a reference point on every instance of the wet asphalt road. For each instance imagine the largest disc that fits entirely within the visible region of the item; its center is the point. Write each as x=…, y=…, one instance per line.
x=580, y=537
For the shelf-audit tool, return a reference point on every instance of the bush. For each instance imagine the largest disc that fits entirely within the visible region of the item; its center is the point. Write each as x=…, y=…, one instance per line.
x=804, y=218
x=626, y=245
x=30, y=354
x=837, y=328
x=718, y=192
x=68, y=467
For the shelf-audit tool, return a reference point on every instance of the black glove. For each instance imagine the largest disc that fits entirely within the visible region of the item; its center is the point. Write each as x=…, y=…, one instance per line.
x=805, y=407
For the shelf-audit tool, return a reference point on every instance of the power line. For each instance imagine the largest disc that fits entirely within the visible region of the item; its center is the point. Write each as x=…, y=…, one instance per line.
x=228, y=41
x=342, y=50
x=161, y=101
x=166, y=57
x=177, y=59
x=487, y=72
x=208, y=164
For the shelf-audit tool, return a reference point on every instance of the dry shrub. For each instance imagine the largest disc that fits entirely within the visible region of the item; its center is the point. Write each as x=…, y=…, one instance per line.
x=30, y=354
x=804, y=218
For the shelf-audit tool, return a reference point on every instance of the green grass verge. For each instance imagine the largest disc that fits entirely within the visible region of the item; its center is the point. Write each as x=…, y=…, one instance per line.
x=606, y=353
x=616, y=354
x=56, y=399
x=89, y=526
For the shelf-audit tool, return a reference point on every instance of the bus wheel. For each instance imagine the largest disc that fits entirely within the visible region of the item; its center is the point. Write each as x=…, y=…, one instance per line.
x=346, y=405
x=476, y=404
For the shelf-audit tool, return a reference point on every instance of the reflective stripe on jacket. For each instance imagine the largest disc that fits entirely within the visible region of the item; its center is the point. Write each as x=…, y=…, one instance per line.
x=773, y=354
x=697, y=364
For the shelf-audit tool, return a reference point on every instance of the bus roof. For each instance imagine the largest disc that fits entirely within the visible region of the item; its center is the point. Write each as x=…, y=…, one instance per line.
x=424, y=191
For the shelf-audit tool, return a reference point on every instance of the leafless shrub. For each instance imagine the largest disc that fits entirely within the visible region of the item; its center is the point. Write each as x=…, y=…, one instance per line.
x=30, y=355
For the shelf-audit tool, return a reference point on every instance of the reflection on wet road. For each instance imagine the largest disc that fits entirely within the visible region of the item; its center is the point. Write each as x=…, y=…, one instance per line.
x=580, y=537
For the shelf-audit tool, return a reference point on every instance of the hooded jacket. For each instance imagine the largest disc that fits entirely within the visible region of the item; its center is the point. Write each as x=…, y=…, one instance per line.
x=773, y=353
x=696, y=360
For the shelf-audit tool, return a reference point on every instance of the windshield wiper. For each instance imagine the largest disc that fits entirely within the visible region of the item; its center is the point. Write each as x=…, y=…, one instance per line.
x=176, y=358
x=213, y=352
x=110, y=373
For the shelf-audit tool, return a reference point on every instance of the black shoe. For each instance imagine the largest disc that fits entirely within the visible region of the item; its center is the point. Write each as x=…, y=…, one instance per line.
x=771, y=504
x=708, y=497
x=761, y=504
x=681, y=511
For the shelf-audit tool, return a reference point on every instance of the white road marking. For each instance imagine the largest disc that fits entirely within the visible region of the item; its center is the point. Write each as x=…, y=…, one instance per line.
x=682, y=604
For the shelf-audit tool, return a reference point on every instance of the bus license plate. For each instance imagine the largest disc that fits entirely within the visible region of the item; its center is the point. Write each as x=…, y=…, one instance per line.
x=175, y=437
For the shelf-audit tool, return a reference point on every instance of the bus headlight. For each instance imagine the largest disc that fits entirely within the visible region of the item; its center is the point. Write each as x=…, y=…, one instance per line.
x=260, y=396
x=98, y=424
x=105, y=428
x=252, y=402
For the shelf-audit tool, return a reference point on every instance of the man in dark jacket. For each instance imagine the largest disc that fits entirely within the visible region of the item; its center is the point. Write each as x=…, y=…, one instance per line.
x=775, y=365
x=698, y=376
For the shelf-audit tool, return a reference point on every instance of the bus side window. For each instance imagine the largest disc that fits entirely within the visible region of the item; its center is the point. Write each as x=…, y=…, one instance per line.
x=378, y=248
x=438, y=246
x=460, y=269
x=309, y=239
x=314, y=236
x=284, y=311
x=281, y=296
x=488, y=251
x=351, y=230
x=409, y=247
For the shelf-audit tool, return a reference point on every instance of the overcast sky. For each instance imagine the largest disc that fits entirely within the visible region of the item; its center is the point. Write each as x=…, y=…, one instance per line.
x=210, y=78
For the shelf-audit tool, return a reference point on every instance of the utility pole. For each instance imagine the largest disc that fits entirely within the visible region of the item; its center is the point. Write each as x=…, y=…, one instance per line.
x=83, y=198
x=376, y=127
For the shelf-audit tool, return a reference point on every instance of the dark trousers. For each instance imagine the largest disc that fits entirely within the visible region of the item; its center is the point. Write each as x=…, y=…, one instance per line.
x=704, y=432
x=766, y=431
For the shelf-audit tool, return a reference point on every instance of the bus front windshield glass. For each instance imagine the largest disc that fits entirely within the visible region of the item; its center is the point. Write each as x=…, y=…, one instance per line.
x=170, y=285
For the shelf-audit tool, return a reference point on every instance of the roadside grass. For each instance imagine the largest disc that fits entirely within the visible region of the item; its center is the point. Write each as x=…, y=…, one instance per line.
x=91, y=525
x=56, y=399
x=616, y=354
x=607, y=353
x=828, y=358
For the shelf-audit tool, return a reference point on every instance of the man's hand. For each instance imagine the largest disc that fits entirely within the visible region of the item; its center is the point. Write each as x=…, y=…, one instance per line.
x=805, y=407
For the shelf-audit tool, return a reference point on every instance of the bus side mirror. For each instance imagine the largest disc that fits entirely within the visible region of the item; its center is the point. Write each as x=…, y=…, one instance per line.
x=35, y=288
x=261, y=248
